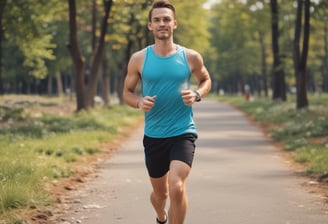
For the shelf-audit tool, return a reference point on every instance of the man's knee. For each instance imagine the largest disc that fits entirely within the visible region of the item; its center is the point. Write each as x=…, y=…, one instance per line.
x=160, y=195
x=177, y=189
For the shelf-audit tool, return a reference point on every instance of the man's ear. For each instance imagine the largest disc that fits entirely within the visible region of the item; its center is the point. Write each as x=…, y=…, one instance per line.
x=149, y=26
x=175, y=24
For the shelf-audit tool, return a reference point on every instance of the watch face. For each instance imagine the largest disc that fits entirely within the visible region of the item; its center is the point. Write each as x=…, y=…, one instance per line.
x=198, y=98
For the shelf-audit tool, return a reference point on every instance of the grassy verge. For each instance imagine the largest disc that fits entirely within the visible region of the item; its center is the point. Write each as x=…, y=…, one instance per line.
x=304, y=132
x=38, y=148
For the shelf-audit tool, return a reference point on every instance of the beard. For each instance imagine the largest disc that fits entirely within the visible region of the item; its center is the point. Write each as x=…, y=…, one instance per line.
x=163, y=36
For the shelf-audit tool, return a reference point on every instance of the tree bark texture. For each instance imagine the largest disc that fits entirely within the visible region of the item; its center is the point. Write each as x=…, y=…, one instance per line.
x=59, y=82
x=264, y=69
x=105, y=81
x=2, y=7
x=96, y=57
x=300, y=55
x=278, y=75
x=85, y=93
x=78, y=61
x=325, y=61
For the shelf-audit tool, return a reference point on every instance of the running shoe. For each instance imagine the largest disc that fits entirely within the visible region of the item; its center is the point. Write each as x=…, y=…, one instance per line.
x=165, y=222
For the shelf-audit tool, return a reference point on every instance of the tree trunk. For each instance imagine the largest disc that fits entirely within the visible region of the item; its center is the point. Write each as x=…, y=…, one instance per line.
x=105, y=82
x=264, y=69
x=77, y=58
x=300, y=55
x=278, y=75
x=96, y=57
x=2, y=7
x=59, y=82
x=93, y=26
x=325, y=61
x=120, y=81
x=123, y=71
x=49, y=85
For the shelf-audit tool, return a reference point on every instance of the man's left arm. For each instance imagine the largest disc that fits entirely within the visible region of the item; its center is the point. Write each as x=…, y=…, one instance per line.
x=200, y=72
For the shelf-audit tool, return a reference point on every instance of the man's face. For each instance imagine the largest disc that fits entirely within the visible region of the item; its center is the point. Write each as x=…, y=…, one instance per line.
x=162, y=23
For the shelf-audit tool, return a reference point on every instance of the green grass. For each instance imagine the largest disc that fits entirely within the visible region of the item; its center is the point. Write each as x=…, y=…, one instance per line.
x=34, y=151
x=304, y=131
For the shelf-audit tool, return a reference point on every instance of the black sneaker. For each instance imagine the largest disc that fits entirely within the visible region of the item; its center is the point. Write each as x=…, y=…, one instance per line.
x=165, y=222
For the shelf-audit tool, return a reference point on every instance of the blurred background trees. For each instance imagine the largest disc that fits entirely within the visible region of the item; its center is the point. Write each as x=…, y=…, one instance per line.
x=244, y=43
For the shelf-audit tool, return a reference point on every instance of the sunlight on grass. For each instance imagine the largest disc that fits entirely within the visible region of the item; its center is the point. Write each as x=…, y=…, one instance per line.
x=315, y=156
x=36, y=150
x=20, y=183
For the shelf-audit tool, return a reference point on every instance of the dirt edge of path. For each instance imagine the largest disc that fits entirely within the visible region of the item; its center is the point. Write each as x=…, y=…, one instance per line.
x=63, y=189
x=311, y=183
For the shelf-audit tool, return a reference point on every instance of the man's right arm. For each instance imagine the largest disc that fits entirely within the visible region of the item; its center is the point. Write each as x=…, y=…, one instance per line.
x=131, y=80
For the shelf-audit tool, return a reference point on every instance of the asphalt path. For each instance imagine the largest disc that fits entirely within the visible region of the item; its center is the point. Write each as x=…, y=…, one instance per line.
x=238, y=177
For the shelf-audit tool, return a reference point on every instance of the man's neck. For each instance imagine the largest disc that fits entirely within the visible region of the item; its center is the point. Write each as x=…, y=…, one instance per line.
x=165, y=48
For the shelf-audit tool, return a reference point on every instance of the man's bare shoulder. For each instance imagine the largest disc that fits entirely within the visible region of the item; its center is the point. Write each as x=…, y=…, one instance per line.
x=194, y=57
x=191, y=53
x=138, y=56
x=136, y=62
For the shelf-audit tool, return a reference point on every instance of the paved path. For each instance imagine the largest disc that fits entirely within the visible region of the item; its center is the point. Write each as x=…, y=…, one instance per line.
x=237, y=178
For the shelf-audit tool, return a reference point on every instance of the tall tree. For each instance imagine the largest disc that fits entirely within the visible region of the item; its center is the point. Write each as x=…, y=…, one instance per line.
x=86, y=94
x=300, y=53
x=259, y=25
x=318, y=49
x=325, y=60
x=264, y=63
x=278, y=74
x=78, y=60
x=2, y=7
x=192, y=30
x=128, y=33
x=25, y=28
x=238, y=50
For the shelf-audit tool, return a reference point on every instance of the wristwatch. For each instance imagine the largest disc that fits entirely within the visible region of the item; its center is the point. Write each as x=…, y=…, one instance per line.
x=198, y=97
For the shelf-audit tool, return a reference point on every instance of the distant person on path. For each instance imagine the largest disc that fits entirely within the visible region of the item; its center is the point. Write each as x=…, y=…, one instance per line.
x=164, y=70
x=247, y=90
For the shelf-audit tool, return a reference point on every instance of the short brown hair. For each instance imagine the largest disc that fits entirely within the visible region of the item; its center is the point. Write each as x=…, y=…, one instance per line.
x=161, y=4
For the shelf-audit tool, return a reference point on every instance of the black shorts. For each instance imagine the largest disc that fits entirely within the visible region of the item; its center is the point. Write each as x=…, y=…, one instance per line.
x=159, y=152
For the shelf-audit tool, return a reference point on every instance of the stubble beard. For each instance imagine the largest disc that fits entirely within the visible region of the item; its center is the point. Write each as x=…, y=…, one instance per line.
x=165, y=36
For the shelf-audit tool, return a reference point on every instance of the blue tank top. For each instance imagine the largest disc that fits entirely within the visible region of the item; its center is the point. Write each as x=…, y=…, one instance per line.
x=165, y=77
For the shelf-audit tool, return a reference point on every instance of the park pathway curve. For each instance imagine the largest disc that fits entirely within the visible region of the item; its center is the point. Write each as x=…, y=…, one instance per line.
x=238, y=177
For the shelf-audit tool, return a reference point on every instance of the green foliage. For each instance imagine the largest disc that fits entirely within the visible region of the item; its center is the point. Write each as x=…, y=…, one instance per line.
x=128, y=28
x=235, y=37
x=9, y=113
x=193, y=25
x=228, y=36
x=316, y=156
x=235, y=29
x=37, y=51
x=299, y=127
x=27, y=26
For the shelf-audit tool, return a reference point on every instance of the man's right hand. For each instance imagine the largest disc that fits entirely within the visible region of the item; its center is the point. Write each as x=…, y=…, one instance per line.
x=147, y=103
